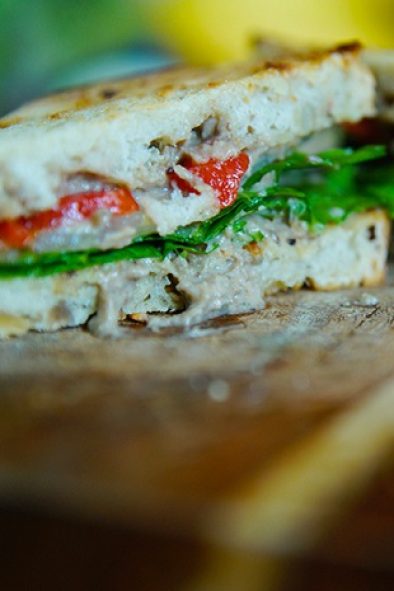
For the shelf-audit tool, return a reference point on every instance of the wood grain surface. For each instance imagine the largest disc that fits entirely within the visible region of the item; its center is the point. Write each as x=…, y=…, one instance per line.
x=254, y=453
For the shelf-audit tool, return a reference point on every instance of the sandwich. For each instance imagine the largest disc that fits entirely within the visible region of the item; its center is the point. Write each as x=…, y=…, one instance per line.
x=175, y=197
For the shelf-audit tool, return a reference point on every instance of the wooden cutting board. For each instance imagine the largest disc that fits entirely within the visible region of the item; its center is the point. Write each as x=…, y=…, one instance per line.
x=254, y=453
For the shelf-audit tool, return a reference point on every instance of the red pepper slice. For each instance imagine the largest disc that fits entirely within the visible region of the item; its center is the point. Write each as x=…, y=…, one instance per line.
x=182, y=184
x=369, y=131
x=17, y=232
x=224, y=176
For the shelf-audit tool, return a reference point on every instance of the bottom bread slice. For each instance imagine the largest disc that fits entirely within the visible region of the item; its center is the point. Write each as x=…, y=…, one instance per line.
x=183, y=291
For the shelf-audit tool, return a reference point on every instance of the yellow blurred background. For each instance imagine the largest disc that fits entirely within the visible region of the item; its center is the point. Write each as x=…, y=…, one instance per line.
x=211, y=30
x=48, y=44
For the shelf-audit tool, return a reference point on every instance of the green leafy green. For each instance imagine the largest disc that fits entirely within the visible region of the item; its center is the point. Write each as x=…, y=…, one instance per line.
x=320, y=189
x=30, y=264
x=329, y=160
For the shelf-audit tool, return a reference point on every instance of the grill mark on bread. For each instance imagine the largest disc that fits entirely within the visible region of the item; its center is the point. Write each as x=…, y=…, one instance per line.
x=108, y=93
x=167, y=89
x=80, y=103
x=288, y=63
x=58, y=115
x=4, y=123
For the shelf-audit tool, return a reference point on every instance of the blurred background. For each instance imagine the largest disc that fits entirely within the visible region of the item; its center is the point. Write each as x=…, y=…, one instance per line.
x=50, y=44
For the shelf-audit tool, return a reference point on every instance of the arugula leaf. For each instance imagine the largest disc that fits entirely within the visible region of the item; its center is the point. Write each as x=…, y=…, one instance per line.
x=330, y=159
x=31, y=264
x=330, y=188
x=239, y=226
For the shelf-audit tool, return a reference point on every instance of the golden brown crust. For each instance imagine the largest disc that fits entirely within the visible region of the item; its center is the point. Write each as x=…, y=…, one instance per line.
x=164, y=84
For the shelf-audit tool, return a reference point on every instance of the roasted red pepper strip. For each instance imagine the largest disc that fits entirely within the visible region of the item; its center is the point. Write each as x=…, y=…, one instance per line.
x=370, y=131
x=182, y=184
x=224, y=176
x=17, y=232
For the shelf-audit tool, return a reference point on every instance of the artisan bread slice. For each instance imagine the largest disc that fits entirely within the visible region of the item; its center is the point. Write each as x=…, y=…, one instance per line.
x=132, y=131
x=187, y=290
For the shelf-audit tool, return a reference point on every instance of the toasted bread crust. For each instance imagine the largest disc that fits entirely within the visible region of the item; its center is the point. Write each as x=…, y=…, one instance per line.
x=163, y=85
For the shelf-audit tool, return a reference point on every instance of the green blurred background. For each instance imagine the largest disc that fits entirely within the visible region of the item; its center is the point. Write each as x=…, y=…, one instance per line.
x=49, y=44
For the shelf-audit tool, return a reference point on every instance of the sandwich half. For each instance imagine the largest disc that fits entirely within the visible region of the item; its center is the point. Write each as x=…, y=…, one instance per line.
x=176, y=197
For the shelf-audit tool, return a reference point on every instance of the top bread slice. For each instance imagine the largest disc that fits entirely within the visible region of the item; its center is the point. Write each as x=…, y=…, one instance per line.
x=132, y=130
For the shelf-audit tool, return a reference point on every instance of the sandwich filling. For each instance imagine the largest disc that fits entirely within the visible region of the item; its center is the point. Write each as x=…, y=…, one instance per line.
x=101, y=214
x=106, y=222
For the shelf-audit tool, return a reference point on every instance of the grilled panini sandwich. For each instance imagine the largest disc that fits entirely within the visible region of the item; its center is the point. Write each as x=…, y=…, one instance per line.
x=183, y=195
